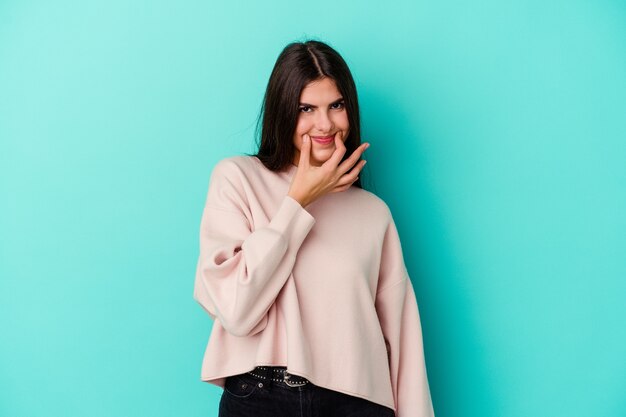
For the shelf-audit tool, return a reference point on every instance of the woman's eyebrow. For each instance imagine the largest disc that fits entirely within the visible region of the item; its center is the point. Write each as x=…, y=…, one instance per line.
x=315, y=107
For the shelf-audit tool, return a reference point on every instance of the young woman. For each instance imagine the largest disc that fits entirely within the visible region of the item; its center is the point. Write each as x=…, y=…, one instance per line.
x=301, y=269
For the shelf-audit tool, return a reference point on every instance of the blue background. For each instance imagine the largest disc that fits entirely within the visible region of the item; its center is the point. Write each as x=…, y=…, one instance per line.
x=498, y=140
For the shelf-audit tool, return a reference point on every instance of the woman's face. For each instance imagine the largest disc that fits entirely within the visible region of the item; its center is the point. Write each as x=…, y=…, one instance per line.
x=321, y=115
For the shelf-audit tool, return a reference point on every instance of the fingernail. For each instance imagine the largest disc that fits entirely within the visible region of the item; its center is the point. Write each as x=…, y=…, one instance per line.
x=306, y=138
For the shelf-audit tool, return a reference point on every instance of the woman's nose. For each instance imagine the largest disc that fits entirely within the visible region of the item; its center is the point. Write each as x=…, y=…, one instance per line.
x=323, y=122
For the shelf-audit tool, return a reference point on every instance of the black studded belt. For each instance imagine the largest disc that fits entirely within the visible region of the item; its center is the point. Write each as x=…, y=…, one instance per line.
x=278, y=374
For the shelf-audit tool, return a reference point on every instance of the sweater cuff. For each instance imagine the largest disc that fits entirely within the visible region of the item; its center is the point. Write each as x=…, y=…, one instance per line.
x=292, y=221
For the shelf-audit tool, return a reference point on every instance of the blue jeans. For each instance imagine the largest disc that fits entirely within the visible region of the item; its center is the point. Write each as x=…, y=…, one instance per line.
x=246, y=396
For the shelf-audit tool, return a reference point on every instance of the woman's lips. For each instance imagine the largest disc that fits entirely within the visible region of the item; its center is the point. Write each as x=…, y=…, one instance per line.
x=324, y=140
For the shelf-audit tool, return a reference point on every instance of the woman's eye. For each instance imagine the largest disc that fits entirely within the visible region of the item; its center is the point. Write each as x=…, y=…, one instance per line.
x=338, y=105
x=305, y=109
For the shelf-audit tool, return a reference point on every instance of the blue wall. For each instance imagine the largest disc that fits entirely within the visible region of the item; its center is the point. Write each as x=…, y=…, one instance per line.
x=498, y=140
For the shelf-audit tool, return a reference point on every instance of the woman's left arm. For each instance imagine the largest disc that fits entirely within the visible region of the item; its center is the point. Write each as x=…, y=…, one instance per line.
x=399, y=317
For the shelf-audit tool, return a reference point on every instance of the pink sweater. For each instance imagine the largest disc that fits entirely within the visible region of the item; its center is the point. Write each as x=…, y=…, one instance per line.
x=322, y=290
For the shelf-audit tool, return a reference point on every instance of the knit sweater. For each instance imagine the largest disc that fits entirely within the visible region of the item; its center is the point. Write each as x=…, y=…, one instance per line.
x=322, y=290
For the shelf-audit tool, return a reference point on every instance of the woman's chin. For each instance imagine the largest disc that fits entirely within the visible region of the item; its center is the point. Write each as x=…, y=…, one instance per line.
x=324, y=153
x=318, y=161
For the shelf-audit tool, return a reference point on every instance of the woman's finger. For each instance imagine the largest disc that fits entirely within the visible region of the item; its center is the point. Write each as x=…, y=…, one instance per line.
x=353, y=159
x=305, y=151
x=340, y=150
x=355, y=171
x=344, y=187
x=349, y=178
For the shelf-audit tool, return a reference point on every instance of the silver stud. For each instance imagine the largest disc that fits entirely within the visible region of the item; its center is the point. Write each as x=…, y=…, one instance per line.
x=260, y=385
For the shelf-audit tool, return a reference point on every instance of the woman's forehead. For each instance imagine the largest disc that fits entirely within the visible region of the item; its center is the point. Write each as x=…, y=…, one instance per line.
x=324, y=90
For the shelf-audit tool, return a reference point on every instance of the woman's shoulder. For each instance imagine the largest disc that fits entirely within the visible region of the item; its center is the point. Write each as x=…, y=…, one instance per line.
x=236, y=168
x=235, y=163
x=370, y=202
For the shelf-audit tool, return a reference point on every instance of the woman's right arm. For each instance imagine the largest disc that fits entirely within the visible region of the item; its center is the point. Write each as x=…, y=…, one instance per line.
x=240, y=271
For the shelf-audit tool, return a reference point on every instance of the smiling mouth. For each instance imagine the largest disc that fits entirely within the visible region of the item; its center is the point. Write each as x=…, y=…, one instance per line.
x=325, y=141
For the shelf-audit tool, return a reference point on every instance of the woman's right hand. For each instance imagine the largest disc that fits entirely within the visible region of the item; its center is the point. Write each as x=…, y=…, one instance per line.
x=311, y=182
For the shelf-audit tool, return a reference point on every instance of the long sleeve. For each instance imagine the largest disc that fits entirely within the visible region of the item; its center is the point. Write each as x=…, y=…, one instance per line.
x=398, y=313
x=240, y=271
